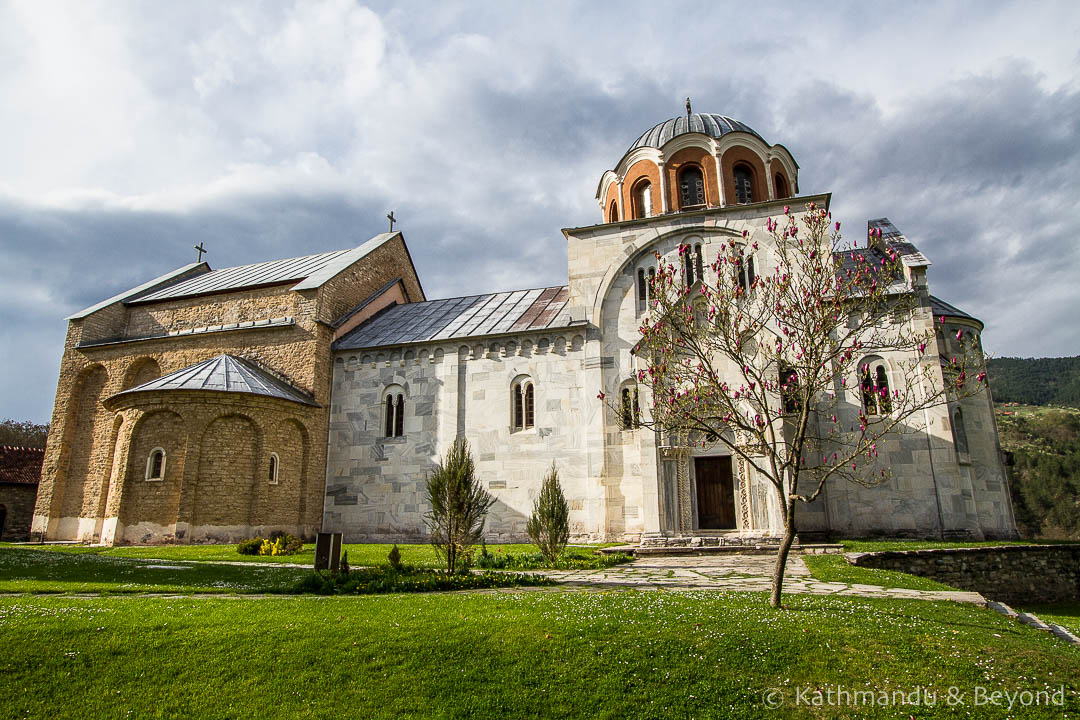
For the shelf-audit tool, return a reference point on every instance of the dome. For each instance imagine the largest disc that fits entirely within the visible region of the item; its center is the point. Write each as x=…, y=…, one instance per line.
x=710, y=124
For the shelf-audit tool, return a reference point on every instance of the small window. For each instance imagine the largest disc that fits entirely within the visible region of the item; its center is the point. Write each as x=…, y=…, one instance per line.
x=394, y=414
x=642, y=200
x=746, y=273
x=698, y=262
x=781, y=187
x=651, y=284
x=642, y=286
x=524, y=404
x=960, y=432
x=630, y=409
x=273, y=475
x=155, y=464
x=744, y=185
x=874, y=384
x=613, y=212
x=691, y=187
x=692, y=264
x=789, y=390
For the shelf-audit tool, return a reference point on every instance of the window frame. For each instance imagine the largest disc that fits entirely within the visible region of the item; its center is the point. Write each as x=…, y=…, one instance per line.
x=160, y=477
x=393, y=408
x=684, y=196
x=522, y=404
x=747, y=172
x=275, y=468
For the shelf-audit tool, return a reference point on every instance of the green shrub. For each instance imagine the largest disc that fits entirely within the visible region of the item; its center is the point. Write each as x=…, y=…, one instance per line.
x=250, y=546
x=281, y=544
x=459, y=505
x=385, y=579
x=394, y=558
x=549, y=526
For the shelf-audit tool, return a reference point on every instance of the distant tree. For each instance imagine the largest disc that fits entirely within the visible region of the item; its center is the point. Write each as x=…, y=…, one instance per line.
x=459, y=505
x=549, y=526
x=23, y=434
x=767, y=363
x=1036, y=381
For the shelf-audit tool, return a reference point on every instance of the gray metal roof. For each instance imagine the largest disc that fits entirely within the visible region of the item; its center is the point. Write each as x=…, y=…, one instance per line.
x=710, y=124
x=462, y=317
x=226, y=373
x=940, y=308
x=200, y=267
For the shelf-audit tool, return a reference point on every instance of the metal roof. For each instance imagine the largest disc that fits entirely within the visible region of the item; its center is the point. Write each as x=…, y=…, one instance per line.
x=711, y=124
x=201, y=267
x=940, y=308
x=472, y=316
x=226, y=373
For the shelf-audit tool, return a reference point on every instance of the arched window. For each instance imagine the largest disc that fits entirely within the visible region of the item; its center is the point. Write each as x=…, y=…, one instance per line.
x=642, y=200
x=642, y=286
x=959, y=432
x=744, y=266
x=524, y=400
x=874, y=384
x=155, y=464
x=651, y=284
x=691, y=187
x=613, y=212
x=744, y=184
x=692, y=264
x=272, y=477
x=630, y=410
x=789, y=389
x=781, y=187
x=394, y=413
x=698, y=262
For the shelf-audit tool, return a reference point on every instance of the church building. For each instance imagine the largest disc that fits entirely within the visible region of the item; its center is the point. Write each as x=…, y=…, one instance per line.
x=319, y=392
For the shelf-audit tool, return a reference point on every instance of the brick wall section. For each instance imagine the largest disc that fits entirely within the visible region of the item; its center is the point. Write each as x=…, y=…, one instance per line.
x=640, y=169
x=91, y=455
x=777, y=168
x=1009, y=573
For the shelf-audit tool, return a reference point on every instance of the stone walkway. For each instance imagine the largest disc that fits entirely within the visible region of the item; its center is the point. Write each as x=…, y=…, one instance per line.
x=748, y=573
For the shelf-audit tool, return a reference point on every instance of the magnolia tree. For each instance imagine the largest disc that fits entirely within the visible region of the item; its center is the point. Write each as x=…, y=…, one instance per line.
x=772, y=365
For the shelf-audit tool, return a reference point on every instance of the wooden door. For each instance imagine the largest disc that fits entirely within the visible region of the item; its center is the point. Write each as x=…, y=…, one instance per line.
x=715, y=493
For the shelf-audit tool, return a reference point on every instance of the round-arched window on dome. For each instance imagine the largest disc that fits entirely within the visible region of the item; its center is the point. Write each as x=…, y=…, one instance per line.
x=642, y=200
x=691, y=187
x=613, y=212
x=781, y=187
x=744, y=184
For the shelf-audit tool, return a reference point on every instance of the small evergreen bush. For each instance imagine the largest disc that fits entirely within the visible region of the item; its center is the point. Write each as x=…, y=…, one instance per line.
x=394, y=558
x=250, y=546
x=459, y=506
x=549, y=526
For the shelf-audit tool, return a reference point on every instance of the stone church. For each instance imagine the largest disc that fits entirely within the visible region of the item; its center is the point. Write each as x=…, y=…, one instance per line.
x=318, y=392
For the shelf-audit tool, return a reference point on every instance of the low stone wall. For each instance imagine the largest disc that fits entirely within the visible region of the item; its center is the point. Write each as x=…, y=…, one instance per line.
x=1015, y=574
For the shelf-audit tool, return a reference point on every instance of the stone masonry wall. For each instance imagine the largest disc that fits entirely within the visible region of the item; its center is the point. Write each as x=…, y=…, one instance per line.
x=1009, y=573
x=18, y=500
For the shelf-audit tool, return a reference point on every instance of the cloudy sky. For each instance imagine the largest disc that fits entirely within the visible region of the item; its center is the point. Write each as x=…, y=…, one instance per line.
x=131, y=131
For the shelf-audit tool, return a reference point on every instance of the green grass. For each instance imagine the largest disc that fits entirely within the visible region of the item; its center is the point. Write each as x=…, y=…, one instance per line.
x=835, y=568
x=531, y=654
x=419, y=555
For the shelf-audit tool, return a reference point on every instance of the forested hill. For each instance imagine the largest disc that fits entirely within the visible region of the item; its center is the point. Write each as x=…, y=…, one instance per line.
x=1036, y=381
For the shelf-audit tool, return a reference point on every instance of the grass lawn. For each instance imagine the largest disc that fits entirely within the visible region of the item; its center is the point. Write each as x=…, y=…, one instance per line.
x=420, y=555
x=835, y=568
x=528, y=654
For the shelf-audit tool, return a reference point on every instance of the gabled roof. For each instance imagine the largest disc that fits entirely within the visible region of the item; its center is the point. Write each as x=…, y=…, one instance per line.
x=473, y=316
x=226, y=373
x=309, y=272
x=21, y=465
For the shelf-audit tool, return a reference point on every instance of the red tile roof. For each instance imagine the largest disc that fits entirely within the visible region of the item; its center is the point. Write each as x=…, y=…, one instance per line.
x=20, y=465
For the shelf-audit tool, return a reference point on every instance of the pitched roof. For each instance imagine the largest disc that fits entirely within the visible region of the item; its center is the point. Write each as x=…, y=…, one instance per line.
x=308, y=271
x=21, y=465
x=226, y=373
x=941, y=308
x=472, y=316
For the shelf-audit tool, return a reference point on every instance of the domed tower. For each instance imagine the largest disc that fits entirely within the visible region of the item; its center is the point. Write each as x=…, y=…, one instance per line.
x=695, y=162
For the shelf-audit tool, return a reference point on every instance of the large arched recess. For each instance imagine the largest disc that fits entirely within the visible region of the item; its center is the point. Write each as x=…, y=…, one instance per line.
x=141, y=370
x=155, y=501
x=229, y=452
x=86, y=434
x=632, y=254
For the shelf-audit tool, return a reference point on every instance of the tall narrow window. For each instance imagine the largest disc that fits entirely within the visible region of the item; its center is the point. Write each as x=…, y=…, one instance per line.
x=688, y=267
x=631, y=417
x=699, y=262
x=789, y=389
x=884, y=400
x=651, y=284
x=155, y=464
x=745, y=267
x=642, y=200
x=273, y=475
x=744, y=185
x=781, y=187
x=523, y=411
x=642, y=289
x=691, y=187
x=394, y=424
x=613, y=212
